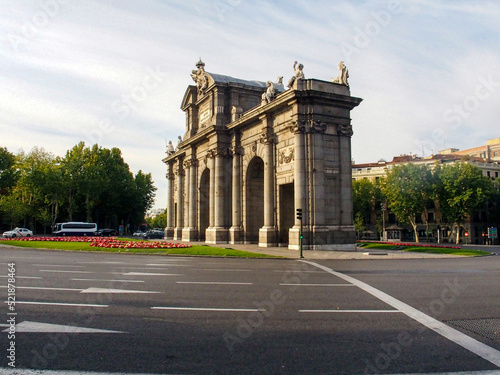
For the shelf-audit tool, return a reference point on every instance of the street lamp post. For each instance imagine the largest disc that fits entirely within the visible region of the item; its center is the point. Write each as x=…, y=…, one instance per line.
x=383, y=207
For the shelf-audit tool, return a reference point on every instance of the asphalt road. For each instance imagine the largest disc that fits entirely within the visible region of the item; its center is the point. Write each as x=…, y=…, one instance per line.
x=156, y=314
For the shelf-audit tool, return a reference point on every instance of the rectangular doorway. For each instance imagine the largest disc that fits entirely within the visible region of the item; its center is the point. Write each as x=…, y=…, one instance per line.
x=286, y=218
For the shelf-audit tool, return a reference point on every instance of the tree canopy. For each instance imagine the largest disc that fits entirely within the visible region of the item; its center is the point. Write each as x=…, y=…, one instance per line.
x=87, y=184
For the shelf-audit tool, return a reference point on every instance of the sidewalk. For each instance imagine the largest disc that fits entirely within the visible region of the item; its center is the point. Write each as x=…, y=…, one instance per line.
x=314, y=254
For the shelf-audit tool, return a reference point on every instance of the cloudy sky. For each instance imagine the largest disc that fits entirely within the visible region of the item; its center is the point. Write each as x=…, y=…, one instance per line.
x=114, y=72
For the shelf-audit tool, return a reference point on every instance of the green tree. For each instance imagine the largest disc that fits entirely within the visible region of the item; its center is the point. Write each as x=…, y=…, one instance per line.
x=408, y=188
x=8, y=172
x=461, y=190
x=159, y=221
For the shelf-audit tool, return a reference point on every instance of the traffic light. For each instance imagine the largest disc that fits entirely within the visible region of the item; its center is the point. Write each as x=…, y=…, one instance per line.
x=466, y=234
x=299, y=214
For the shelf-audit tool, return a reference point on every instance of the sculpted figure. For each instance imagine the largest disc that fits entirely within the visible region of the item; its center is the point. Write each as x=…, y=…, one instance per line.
x=270, y=93
x=179, y=140
x=298, y=74
x=199, y=76
x=343, y=74
x=170, y=149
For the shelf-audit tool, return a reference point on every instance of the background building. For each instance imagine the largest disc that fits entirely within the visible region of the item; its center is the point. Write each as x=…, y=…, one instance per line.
x=486, y=158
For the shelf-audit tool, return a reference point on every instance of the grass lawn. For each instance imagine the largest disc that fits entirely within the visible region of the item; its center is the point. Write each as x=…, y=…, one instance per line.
x=420, y=249
x=199, y=250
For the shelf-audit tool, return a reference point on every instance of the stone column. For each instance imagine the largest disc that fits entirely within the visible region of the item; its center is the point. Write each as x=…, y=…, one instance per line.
x=347, y=234
x=190, y=233
x=180, y=202
x=268, y=233
x=217, y=233
x=299, y=183
x=317, y=220
x=236, y=231
x=169, y=230
x=211, y=208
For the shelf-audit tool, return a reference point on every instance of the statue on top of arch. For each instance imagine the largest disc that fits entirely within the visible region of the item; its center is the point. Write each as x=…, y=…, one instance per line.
x=343, y=75
x=200, y=77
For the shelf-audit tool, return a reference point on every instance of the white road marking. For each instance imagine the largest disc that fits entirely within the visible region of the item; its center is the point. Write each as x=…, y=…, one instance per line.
x=349, y=311
x=58, y=304
x=212, y=283
x=102, y=263
x=56, y=265
x=36, y=327
x=114, y=291
x=220, y=270
x=151, y=268
x=45, y=288
x=110, y=280
x=317, y=284
x=298, y=271
x=8, y=371
x=65, y=271
x=203, y=309
x=488, y=353
x=25, y=277
x=148, y=274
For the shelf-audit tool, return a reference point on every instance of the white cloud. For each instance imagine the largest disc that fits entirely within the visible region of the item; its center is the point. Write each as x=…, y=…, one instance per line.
x=67, y=81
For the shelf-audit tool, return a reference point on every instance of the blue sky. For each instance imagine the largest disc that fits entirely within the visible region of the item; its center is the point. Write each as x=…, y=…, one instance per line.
x=115, y=71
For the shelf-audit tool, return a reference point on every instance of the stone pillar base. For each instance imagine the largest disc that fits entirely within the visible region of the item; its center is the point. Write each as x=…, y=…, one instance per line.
x=293, y=238
x=190, y=234
x=235, y=235
x=169, y=233
x=177, y=234
x=216, y=235
x=328, y=238
x=268, y=237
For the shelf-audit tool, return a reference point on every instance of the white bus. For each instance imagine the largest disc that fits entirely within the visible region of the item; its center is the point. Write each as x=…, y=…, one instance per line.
x=75, y=228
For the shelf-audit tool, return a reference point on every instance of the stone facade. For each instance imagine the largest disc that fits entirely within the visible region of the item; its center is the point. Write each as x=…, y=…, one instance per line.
x=253, y=153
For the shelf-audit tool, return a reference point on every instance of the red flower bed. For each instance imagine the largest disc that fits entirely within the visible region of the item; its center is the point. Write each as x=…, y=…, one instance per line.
x=53, y=239
x=412, y=244
x=106, y=242
x=111, y=244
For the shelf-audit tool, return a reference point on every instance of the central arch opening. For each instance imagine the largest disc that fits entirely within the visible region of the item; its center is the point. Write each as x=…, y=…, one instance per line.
x=254, y=202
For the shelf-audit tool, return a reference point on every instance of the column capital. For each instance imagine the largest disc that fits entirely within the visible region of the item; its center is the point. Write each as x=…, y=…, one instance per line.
x=218, y=151
x=345, y=130
x=179, y=171
x=190, y=163
x=298, y=127
x=316, y=126
x=235, y=150
x=267, y=136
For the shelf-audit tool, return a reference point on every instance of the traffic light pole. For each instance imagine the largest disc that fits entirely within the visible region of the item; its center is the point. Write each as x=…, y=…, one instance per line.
x=299, y=217
x=300, y=241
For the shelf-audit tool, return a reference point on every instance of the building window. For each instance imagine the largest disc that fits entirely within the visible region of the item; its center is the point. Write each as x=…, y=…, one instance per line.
x=495, y=153
x=496, y=174
x=488, y=174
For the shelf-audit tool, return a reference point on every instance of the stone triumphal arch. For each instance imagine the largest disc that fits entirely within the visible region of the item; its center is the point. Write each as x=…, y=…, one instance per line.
x=253, y=152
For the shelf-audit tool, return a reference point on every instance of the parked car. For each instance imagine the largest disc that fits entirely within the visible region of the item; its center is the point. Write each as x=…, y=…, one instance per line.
x=17, y=232
x=154, y=234
x=106, y=232
x=138, y=233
